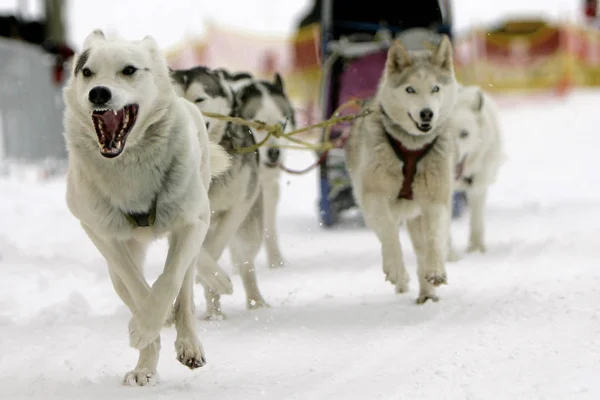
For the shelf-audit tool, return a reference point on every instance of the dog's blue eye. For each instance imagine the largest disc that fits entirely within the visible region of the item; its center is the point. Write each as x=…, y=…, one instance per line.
x=435, y=89
x=410, y=89
x=129, y=70
x=199, y=100
x=86, y=72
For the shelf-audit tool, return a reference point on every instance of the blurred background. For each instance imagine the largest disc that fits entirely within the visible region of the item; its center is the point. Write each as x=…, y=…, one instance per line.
x=528, y=47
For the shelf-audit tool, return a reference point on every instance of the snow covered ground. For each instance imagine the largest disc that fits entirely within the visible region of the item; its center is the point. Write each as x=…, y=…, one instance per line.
x=519, y=322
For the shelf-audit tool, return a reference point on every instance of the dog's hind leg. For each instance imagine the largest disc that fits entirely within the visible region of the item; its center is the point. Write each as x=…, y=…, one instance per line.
x=476, y=200
x=244, y=248
x=213, y=248
x=187, y=345
x=213, y=299
x=379, y=218
x=270, y=202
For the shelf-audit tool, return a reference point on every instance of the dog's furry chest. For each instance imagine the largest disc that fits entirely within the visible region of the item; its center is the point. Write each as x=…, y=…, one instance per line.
x=239, y=184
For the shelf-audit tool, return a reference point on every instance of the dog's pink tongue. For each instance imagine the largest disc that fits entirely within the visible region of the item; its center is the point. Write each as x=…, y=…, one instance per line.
x=111, y=121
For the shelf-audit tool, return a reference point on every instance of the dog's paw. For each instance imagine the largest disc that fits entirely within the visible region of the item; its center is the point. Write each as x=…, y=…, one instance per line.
x=141, y=377
x=476, y=247
x=214, y=315
x=436, y=278
x=453, y=256
x=142, y=333
x=422, y=299
x=215, y=279
x=257, y=302
x=189, y=351
x=397, y=276
x=276, y=262
x=402, y=283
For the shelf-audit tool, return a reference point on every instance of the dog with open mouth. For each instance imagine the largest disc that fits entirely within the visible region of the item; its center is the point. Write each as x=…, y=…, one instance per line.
x=400, y=160
x=140, y=167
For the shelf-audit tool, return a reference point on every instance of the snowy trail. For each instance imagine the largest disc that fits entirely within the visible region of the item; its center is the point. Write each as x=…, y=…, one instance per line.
x=521, y=321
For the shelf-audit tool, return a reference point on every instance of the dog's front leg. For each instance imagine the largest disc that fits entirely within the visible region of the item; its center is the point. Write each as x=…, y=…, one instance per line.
x=270, y=198
x=184, y=244
x=379, y=218
x=476, y=200
x=124, y=261
x=187, y=345
x=432, y=271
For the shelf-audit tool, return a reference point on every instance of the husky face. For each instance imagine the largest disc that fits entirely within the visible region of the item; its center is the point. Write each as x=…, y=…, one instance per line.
x=418, y=88
x=266, y=101
x=465, y=123
x=116, y=90
x=234, y=80
x=205, y=88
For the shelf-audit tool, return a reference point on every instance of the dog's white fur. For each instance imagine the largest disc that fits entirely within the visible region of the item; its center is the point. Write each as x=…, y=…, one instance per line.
x=167, y=157
x=476, y=128
x=408, y=85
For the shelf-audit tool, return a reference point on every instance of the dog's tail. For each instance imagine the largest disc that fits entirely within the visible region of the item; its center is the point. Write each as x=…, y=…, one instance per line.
x=220, y=160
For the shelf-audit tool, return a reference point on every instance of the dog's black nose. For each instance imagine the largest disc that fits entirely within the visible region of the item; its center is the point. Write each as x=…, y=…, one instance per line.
x=273, y=154
x=426, y=115
x=99, y=95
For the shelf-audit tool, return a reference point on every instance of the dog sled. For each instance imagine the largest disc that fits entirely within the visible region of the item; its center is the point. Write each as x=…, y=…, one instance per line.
x=354, y=44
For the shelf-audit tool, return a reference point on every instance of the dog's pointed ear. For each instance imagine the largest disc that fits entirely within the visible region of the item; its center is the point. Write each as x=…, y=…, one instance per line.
x=442, y=56
x=398, y=58
x=149, y=43
x=478, y=100
x=95, y=35
x=278, y=81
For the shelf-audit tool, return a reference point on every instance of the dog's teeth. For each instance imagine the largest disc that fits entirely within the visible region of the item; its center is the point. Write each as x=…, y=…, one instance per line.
x=114, y=112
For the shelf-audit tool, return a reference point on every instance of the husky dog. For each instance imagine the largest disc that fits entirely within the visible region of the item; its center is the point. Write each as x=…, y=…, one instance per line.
x=400, y=161
x=259, y=100
x=140, y=166
x=234, y=80
x=267, y=101
x=236, y=196
x=479, y=154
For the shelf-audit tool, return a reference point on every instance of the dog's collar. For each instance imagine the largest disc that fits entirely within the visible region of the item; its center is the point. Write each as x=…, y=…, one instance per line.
x=140, y=220
x=409, y=158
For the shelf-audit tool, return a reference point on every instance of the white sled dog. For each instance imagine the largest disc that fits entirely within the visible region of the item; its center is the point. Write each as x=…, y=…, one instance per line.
x=476, y=128
x=235, y=196
x=140, y=166
x=400, y=159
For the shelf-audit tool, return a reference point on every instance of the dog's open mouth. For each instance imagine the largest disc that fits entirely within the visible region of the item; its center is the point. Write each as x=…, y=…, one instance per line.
x=424, y=127
x=112, y=128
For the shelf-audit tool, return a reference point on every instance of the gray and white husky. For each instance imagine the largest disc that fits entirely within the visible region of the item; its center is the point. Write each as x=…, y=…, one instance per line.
x=235, y=196
x=140, y=168
x=265, y=101
x=400, y=159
